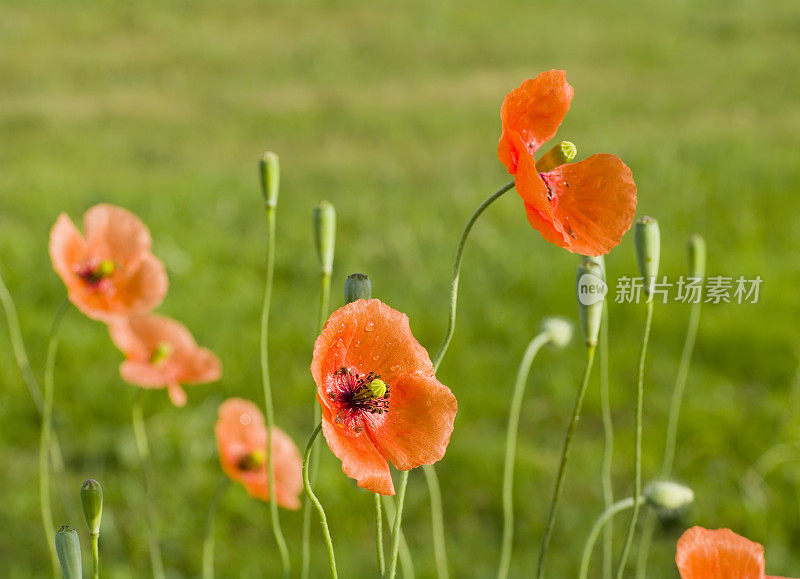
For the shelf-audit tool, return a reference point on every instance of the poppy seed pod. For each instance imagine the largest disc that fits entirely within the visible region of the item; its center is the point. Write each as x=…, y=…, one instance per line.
x=697, y=255
x=357, y=287
x=562, y=153
x=68, y=547
x=92, y=502
x=668, y=495
x=270, y=178
x=324, y=218
x=648, y=251
x=591, y=290
x=559, y=331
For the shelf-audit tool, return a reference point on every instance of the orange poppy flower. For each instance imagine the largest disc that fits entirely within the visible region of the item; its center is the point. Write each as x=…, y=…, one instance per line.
x=380, y=399
x=109, y=272
x=161, y=353
x=584, y=207
x=242, y=440
x=719, y=554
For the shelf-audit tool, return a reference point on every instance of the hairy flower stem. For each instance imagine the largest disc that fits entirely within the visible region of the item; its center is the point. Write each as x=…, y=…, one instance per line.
x=637, y=471
x=208, y=540
x=44, y=441
x=379, y=535
x=324, y=301
x=608, y=445
x=143, y=448
x=599, y=524
x=562, y=470
x=401, y=497
x=268, y=406
x=511, y=449
x=672, y=432
x=315, y=501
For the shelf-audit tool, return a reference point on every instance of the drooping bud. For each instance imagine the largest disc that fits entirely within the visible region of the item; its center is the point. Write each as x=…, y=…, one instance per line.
x=648, y=251
x=697, y=256
x=562, y=153
x=591, y=291
x=668, y=495
x=68, y=548
x=357, y=287
x=92, y=502
x=559, y=331
x=161, y=352
x=325, y=234
x=270, y=178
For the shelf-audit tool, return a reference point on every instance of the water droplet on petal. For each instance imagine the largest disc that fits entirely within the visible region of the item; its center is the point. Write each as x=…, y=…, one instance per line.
x=341, y=327
x=376, y=357
x=394, y=367
x=369, y=326
x=245, y=419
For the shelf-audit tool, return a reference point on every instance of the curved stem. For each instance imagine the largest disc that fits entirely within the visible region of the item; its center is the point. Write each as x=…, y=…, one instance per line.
x=608, y=445
x=379, y=535
x=313, y=498
x=44, y=441
x=398, y=519
x=637, y=476
x=406, y=561
x=562, y=470
x=208, y=540
x=437, y=521
x=599, y=524
x=140, y=432
x=95, y=539
x=268, y=407
x=511, y=449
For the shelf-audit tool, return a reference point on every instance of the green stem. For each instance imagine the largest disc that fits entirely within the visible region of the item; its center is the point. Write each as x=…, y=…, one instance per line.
x=637, y=476
x=406, y=561
x=608, y=445
x=208, y=540
x=268, y=407
x=599, y=524
x=95, y=539
x=313, y=498
x=143, y=447
x=562, y=470
x=379, y=535
x=398, y=519
x=437, y=521
x=511, y=449
x=47, y=427
x=324, y=304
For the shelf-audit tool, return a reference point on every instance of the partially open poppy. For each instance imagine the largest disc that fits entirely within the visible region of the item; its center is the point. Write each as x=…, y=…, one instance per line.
x=719, y=554
x=242, y=440
x=584, y=207
x=109, y=271
x=161, y=353
x=380, y=399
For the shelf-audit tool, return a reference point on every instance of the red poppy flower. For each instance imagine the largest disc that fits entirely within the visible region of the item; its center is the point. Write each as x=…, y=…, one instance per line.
x=109, y=272
x=380, y=399
x=242, y=440
x=717, y=554
x=161, y=353
x=584, y=207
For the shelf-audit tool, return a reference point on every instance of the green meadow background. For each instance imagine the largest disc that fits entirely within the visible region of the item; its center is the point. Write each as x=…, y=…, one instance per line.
x=390, y=110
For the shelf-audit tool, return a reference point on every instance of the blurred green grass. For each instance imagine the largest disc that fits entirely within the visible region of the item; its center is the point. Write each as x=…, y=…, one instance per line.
x=390, y=111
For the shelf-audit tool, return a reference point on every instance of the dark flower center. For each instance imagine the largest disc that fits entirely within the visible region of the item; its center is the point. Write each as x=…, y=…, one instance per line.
x=362, y=398
x=96, y=273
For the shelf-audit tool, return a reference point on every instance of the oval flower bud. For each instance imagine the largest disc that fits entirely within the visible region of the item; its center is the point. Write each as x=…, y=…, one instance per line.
x=559, y=331
x=668, y=495
x=324, y=219
x=697, y=256
x=648, y=250
x=68, y=547
x=92, y=502
x=591, y=290
x=270, y=178
x=357, y=287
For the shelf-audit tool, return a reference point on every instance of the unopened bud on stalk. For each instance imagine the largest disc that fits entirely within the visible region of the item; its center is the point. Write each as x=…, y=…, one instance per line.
x=562, y=153
x=591, y=290
x=648, y=250
x=325, y=234
x=697, y=256
x=668, y=495
x=92, y=501
x=68, y=547
x=559, y=331
x=270, y=178
x=599, y=260
x=357, y=287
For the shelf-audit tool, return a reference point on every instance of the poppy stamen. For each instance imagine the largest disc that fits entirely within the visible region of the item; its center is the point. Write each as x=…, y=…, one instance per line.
x=96, y=273
x=252, y=461
x=361, y=398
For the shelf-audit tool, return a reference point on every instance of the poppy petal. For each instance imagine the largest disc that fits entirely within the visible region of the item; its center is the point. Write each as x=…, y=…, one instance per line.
x=67, y=249
x=705, y=553
x=535, y=111
x=115, y=233
x=143, y=287
x=176, y=394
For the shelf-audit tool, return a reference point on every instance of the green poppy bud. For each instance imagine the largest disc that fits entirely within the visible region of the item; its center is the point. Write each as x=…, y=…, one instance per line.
x=270, y=178
x=599, y=260
x=558, y=330
x=68, y=547
x=357, y=287
x=697, y=256
x=562, y=153
x=92, y=501
x=591, y=290
x=325, y=234
x=648, y=251
x=668, y=495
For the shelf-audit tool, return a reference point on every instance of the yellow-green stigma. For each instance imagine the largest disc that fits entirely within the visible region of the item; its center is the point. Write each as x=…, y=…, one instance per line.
x=562, y=153
x=253, y=460
x=161, y=353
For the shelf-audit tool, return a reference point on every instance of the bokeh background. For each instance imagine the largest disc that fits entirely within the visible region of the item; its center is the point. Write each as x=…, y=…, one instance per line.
x=390, y=111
